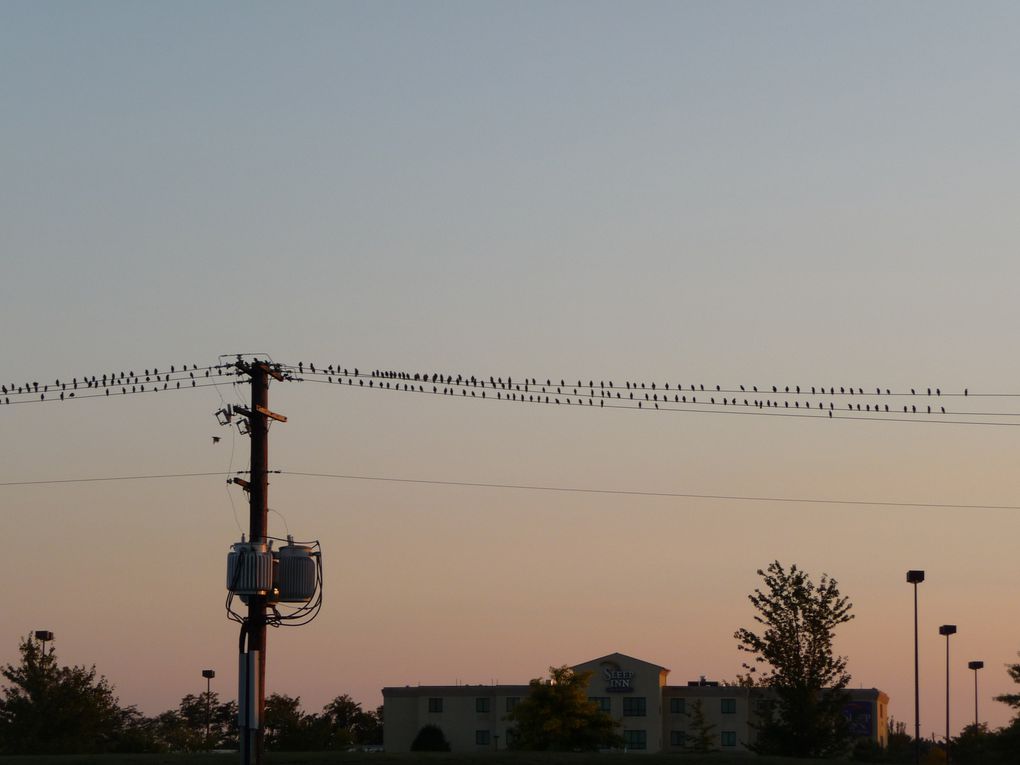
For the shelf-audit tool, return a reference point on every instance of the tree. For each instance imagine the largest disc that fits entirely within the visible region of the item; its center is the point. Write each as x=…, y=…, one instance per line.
x=288, y=729
x=899, y=744
x=973, y=746
x=184, y=729
x=49, y=709
x=557, y=715
x=701, y=738
x=1012, y=699
x=346, y=724
x=803, y=716
x=430, y=739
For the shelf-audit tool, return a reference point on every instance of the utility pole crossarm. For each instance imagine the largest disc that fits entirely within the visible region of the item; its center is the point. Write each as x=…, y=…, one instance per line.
x=271, y=415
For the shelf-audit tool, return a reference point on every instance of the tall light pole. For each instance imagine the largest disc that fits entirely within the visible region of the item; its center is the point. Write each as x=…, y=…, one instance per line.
x=208, y=674
x=915, y=578
x=947, y=630
x=975, y=665
x=42, y=636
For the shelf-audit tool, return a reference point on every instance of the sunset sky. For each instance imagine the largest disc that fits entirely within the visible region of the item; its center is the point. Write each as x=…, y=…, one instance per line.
x=782, y=193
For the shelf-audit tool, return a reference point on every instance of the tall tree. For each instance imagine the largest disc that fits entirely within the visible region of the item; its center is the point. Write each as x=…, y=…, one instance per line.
x=557, y=715
x=803, y=717
x=46, y=708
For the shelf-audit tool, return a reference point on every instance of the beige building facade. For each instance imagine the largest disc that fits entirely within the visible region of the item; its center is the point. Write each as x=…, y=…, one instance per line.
x=653, y=715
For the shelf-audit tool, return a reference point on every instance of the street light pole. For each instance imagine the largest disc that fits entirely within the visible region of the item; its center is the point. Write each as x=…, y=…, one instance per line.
x=915, y=578
x=975, y=665
x=947, y=630
x=42, y=636
x=208, y=674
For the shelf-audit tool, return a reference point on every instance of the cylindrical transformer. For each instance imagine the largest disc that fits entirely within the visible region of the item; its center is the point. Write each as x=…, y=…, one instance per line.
x=295, y=573
x=249, y=568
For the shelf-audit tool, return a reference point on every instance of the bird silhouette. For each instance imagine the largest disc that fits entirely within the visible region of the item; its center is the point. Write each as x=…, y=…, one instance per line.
x=215, y=439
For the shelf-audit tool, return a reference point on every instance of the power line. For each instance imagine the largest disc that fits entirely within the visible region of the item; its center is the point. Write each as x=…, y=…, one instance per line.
x=55, y=397
x=773, y=409
x=112, y=478
x=823, y=390
x=667, y=494
x=772, y=401
x=535, y=487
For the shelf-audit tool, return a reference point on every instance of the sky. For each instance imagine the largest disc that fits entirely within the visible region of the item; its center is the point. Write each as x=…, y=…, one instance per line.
x=716, y=193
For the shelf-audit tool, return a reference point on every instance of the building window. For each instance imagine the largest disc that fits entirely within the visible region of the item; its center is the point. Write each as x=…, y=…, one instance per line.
x=482, y=705
x=605, y=704
x=511, y=702
x=435, y=705
x=635, y=739
x=677, y=738
x=677, y=706
x=482, y=737
x=634, y=706
x=729, y=738
x=729, y=706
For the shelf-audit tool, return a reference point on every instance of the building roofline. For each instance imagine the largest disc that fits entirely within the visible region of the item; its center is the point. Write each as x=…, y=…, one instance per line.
x=617, y=655
x=455, y=690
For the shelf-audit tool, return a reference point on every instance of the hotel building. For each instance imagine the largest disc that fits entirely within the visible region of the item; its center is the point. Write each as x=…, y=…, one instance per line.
x=654, y=716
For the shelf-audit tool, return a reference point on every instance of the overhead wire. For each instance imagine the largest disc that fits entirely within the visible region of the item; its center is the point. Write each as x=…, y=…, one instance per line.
x=149, y=477
x=662, y=494
x=654, y=401
x=859, y=403
x=547, y=488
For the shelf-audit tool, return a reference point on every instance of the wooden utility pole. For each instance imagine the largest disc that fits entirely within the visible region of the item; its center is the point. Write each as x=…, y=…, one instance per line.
x=253, y=660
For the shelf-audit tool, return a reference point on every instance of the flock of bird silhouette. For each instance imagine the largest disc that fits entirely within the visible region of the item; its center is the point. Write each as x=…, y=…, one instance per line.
x=637, y=395
x=113, y=383
x=812, y=400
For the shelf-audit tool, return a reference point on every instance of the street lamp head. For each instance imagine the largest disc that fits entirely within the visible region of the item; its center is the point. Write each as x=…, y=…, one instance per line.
x=208, y=674
x=975, y=665
x=915, y=577
x=43, y=635
x=947, y=629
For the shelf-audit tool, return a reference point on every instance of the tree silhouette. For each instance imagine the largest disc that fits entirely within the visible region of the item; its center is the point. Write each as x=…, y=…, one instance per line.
x=49, y=709
x=1012, y=699
x=804, y=717
x=557, y=715
x=701, y=737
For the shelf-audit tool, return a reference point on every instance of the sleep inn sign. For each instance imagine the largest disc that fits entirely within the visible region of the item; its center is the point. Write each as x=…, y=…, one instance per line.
x=617, y=680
